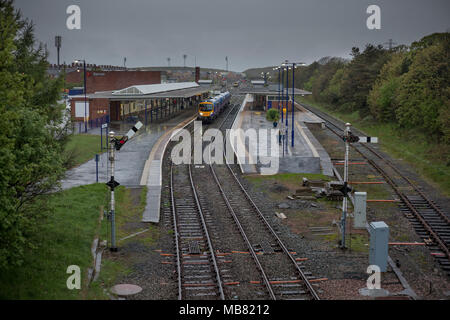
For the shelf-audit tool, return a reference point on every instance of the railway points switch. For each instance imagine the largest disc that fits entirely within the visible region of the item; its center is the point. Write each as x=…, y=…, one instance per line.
x=379, y=243
x=359, y=212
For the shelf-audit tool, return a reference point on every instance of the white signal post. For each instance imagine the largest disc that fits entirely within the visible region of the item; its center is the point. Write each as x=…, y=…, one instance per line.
x=117, y=144
x=344, y=200
x=349, y=138
x=112, y=186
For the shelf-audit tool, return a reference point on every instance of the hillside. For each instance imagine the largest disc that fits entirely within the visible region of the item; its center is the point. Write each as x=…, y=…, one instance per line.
x=255, y=73
x=179, y=68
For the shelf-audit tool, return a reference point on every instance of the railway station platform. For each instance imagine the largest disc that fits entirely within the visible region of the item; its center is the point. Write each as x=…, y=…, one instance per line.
x=306, y=156
x=132, y=160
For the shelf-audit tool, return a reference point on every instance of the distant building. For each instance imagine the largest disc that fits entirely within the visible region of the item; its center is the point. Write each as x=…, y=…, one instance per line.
x=113, y=80
x=258, y=83
x=205, y=82
x=147, y=101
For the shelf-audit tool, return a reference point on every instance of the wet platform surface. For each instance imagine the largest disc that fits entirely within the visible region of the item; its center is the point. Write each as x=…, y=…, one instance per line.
x=306, y=156
x=130, y=160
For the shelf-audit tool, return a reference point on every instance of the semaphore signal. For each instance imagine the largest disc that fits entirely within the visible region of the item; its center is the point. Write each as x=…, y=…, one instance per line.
x=112, y=183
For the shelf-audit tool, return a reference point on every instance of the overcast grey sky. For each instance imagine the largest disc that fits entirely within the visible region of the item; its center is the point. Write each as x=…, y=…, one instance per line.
x=252, y=33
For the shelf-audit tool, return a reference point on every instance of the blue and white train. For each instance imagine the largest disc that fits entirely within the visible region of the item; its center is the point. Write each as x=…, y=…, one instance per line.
x=210, y=109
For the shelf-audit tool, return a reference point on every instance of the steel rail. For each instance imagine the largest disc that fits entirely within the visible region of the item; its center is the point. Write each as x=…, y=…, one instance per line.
x=205, y=230
x=425, y=197
x=252, y=203
x=177, y=238
x=247, y=241
x=392, y=166
x=395, y=187
x=238, y=224
x=285, y=250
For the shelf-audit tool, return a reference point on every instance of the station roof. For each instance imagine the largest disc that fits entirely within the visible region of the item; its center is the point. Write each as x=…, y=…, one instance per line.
x=155, y=88
x=270, y=91
x=205, y=81
x=154, y=91
x=258, y=82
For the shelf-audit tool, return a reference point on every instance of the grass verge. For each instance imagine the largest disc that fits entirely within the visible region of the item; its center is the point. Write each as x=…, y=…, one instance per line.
x=83, y=147
x=65, y=239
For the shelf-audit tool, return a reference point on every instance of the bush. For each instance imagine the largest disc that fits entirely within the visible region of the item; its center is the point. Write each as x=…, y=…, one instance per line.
x=273, y=115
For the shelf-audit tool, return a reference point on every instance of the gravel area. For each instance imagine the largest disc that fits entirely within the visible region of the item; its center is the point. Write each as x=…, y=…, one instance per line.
x=348, y=268
x=152, y=267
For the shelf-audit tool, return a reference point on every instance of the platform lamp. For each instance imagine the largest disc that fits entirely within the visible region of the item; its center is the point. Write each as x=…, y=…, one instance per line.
x=285, y=99
x=85, y=89
x=294, y=66
x=264, y=75
x=281, y=93
x=279, y=71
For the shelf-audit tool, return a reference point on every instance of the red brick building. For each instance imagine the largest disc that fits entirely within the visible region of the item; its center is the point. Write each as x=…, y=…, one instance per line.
x=113, y=80
x=98, y=81
x=149, y=102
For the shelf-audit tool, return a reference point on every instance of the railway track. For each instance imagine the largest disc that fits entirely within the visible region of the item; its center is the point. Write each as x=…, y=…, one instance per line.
x=197, y=266
x=228, y=250
x=280, y=273
x=197, y=263
x=430, y=221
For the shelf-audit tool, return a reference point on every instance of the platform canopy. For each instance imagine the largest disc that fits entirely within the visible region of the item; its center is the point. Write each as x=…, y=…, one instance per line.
x=154, y=88
x=205, y=81
x=271, y=91
x=258, y=82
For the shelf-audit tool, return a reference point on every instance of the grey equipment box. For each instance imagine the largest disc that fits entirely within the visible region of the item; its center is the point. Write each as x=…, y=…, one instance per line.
x=359, y=212
x=379, y=244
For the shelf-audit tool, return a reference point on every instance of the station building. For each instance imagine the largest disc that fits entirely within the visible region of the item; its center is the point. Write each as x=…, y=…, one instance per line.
x=266, y=97
x=114, y=80
x=146, y=102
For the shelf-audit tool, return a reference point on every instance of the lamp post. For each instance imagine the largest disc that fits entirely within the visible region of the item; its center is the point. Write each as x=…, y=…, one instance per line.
x=294, y=66
x=286, y=99
x=85, y=89
x=265, y=75
x=279, y=79
x=281, y=95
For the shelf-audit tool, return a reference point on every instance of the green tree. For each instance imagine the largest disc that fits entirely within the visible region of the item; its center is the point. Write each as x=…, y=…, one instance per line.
x=360, y=75
x=32, y=135
x=423, y=94
x=332, y=92
x=382, y=98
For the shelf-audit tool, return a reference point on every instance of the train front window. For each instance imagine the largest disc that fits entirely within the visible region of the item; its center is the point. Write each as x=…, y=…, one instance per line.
x=206, y=107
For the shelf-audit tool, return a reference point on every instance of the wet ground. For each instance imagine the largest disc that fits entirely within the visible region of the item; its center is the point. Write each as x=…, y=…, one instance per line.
x=130, y=160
